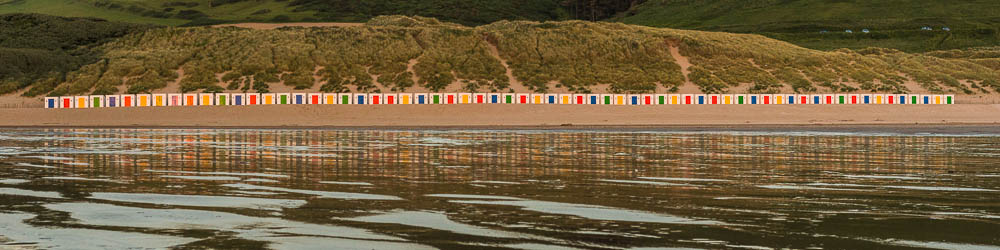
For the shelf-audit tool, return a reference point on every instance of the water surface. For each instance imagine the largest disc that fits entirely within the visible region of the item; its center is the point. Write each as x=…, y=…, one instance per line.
x=365, y=189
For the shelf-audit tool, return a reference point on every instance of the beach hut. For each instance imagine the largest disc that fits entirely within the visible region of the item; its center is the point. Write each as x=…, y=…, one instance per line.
x=620, y=99
x=726, y=99
x=238, y=99
x=522, y=98
x=840, y=99
x=902, y=99
x=865, y=99
x=420, y=98
x=174, y=99
x=52, y=102
x=891, y=99
x=804, y=99
x=81, y=102
x=253, y=99
x=879, y=98
x=778, y=99
x=661, y=99
x=435, y=98
x=112, y=101
x=66, y=102
x=949, y=99
x=314, y=98
x=345, y=98
x=687, y=99
x=392, y=98
x=159, y=100
x=507, y=98
x=765, y=99
x=144, y=100
x=464, y=98
x=633, y=99
x=578, y=99
x=206, y=99
x=790, y=99
x=551, y=98
x=450, y=98
x=188, y=99
x=854, y=98
x=328, y=98
x=700, y=99
x=285, y=98
x=267, y=99
x=712, y=99
x=566, y=99
x=126, y=101
x=376, y=99
x=938, y=99
x=537, y=98
x=491, y=98
x=605, y=99
x=223, y=99
x=740, y=99
x=96, y=101
x=405, y=99
x=674, y=99
x=593, y=99
x=360, y=99
x=481, y=98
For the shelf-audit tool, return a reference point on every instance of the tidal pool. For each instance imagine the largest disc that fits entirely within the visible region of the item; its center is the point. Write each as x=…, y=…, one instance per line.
x=421, y=189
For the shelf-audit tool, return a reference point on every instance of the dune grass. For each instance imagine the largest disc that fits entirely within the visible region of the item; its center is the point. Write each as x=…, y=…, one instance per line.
x=572, y=56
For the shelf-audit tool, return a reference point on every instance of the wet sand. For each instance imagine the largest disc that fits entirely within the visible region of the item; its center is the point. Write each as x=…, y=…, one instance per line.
x=961, y=118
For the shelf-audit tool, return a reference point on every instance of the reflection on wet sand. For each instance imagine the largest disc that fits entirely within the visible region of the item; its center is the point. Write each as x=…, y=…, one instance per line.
x=302, y=189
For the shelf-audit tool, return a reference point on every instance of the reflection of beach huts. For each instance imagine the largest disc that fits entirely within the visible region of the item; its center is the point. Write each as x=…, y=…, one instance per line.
x=823, y=31
x=946, y=29
x=848, y=31
x=926, y=28
x=866, y=31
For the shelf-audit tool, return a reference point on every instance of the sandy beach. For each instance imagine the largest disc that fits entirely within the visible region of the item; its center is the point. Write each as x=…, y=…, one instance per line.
x=508, y=115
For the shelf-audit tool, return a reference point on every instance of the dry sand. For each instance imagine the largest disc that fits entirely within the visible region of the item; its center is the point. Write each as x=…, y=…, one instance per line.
x=505, y=115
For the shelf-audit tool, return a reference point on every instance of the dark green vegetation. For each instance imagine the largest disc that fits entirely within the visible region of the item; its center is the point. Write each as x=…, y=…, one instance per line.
x=893, y=23
x=395, y=53
x=201, y=12
x=39, y=50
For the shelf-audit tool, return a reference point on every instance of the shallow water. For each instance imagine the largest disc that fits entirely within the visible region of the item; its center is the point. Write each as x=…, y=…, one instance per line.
x=376, y=189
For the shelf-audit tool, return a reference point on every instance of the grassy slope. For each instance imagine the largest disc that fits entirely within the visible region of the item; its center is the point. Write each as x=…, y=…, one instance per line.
x=895, y=23
x=570, y=56
x=235, y=12
x=38, y=50
x=165, y=12
x=79, y=8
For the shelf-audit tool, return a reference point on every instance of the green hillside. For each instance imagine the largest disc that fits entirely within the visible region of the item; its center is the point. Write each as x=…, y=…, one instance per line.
x=198, y=12
x=38, y=50
x=893, y=23
x=395, y=53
